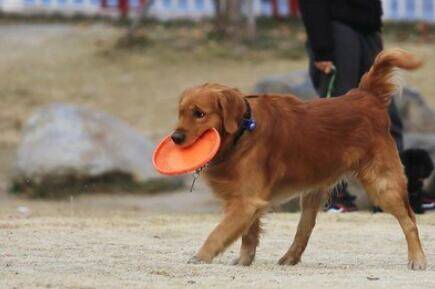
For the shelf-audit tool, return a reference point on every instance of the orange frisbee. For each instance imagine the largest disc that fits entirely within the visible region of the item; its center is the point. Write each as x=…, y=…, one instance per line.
x=170, y=159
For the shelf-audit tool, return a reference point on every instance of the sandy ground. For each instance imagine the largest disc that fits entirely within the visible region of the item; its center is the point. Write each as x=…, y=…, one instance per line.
x=133, y=250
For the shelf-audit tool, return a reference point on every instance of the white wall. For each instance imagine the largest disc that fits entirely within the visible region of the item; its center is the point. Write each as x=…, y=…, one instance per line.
x=406, y=10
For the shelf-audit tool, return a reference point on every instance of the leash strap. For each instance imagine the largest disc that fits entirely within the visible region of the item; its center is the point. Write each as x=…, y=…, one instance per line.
x=331, y=83
x=195, y=177
x=340, y=186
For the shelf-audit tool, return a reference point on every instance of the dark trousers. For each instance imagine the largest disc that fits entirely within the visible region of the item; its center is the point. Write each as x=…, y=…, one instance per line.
x=354, y=54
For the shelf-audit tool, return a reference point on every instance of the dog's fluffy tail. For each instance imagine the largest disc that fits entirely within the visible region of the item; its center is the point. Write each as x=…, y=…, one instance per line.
x=379, y=80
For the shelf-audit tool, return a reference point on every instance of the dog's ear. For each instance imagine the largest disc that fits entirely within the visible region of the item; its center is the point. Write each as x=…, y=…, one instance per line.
x=231, y=105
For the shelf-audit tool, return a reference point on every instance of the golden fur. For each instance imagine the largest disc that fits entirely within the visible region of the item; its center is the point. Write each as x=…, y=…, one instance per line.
x=299, y=148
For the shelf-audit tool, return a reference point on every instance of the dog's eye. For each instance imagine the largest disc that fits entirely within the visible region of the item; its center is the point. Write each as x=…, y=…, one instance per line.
x=198, y=113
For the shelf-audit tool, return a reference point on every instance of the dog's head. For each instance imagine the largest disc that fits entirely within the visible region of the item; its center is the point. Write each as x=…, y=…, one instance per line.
x=207, y=106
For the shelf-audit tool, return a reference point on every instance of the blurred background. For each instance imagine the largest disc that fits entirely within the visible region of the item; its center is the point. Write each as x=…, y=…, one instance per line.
x=88, y=87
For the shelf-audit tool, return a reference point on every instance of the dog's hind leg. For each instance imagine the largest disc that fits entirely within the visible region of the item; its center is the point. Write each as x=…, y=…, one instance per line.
x=310, y=204
x=387, y=187
x=250, y=240
x=240, y=214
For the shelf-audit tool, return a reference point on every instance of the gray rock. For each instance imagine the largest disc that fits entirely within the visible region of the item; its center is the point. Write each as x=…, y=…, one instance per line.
x=417, y=115
x=63, y=142
x=296, y=82
x=430, y=189
x=420, y=140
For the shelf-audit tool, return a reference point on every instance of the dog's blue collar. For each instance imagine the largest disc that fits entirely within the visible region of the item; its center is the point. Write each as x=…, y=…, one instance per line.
x=247, y=122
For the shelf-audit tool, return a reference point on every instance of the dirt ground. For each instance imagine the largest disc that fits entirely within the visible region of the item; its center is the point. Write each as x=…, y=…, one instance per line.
x=136, y=250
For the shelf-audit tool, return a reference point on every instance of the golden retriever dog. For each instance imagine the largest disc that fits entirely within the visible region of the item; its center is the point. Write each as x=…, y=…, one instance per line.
x=298, y=148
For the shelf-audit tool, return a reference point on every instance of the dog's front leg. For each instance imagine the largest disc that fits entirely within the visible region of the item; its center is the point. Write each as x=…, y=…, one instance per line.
x=239, y=215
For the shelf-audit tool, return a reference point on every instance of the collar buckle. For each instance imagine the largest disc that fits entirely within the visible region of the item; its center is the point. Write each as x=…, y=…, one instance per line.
x=249, y=124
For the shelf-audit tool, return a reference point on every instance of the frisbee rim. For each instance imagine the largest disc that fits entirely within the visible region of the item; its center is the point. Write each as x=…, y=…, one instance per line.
x=191, y=168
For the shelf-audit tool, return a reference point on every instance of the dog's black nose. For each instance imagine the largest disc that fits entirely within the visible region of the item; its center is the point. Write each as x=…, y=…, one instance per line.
x=178, y=137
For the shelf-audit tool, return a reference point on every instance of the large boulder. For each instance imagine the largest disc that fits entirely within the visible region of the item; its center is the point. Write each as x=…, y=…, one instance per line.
x=430, y=189
x=296, y=82
x=416, y=114
x=65, y=145
x=420, y=140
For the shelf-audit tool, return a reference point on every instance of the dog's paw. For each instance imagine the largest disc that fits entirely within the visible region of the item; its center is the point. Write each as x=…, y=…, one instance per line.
x=417, y=264
x=289, y=260
x=243, y=261
x=197, y=260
